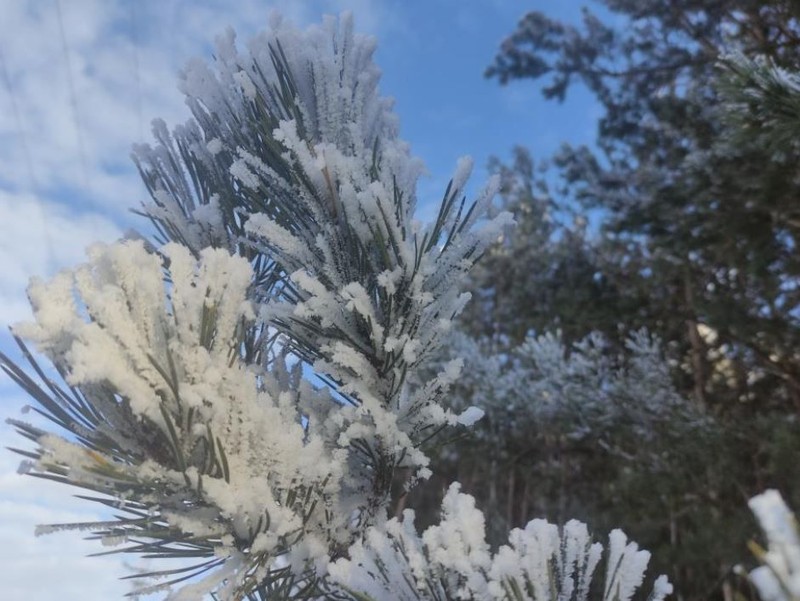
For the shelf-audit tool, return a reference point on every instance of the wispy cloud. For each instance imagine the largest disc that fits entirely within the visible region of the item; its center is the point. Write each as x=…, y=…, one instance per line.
x=37, y=237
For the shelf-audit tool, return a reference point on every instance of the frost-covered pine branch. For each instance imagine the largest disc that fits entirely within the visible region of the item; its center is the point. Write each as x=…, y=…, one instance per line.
x=288, y=253
x=778, y=578
x=293, y=160
x=452, y=560
x=204, y=453
x=761, y=100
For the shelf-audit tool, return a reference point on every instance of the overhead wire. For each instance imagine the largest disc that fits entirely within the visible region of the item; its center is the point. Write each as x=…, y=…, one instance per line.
x=26, y=151
x=73, y=97
x=136, y=73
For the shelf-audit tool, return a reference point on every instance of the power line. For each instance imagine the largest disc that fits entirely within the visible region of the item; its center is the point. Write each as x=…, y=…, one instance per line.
x=136, y=74
x=26, y=152
x=73, y=96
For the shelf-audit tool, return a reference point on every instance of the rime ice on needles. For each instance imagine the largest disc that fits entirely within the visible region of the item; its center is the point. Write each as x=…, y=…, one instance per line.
x=203, y=449
x=312, y=183
x=778, y=579
x=452, y=561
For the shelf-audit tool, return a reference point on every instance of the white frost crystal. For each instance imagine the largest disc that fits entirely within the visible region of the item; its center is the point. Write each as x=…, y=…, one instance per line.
x=452, y=561
x=208, y=445
x=778, y=579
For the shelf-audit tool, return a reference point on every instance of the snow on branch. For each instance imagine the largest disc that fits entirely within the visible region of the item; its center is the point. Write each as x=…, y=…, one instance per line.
x=761, y=100
x=311, y=183
x=207, y=454
x=778, y=578
x=453, y=561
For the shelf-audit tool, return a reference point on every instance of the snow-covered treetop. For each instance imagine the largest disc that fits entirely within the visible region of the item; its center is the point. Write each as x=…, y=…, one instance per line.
x=582, y=390
x=316, y=89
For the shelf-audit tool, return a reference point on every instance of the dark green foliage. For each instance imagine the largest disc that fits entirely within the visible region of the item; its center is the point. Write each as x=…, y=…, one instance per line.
x=762, y=102
x=543, y=264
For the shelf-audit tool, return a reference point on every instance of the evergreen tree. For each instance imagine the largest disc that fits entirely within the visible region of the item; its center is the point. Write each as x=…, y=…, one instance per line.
x=245, y=392
x=709, y=220
x=693, y=187
x=762, y=105
x=546, y=274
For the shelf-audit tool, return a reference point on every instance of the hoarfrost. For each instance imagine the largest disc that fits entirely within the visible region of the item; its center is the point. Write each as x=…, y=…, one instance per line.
x=187, y=418
x=470, y=416
x=778, y=579
x=452, y=561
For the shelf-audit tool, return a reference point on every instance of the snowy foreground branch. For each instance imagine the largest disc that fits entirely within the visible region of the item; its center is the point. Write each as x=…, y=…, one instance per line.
x=293, y=161
x=778, y=578
x=453, y=561
x=245, y=395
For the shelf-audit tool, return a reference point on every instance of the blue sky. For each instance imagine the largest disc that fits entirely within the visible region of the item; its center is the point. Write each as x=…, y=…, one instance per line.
x=79, y=82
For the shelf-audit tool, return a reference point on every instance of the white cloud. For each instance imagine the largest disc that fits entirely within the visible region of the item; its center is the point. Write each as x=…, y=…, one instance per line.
x=88, y=154
x=36, y=239
x=54, y=565
x=384, y=19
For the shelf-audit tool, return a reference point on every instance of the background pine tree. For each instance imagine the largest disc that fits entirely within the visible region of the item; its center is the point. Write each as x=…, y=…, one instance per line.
x=682, y=220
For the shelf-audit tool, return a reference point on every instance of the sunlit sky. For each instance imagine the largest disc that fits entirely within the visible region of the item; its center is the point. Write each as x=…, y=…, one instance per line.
x=80, y=81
